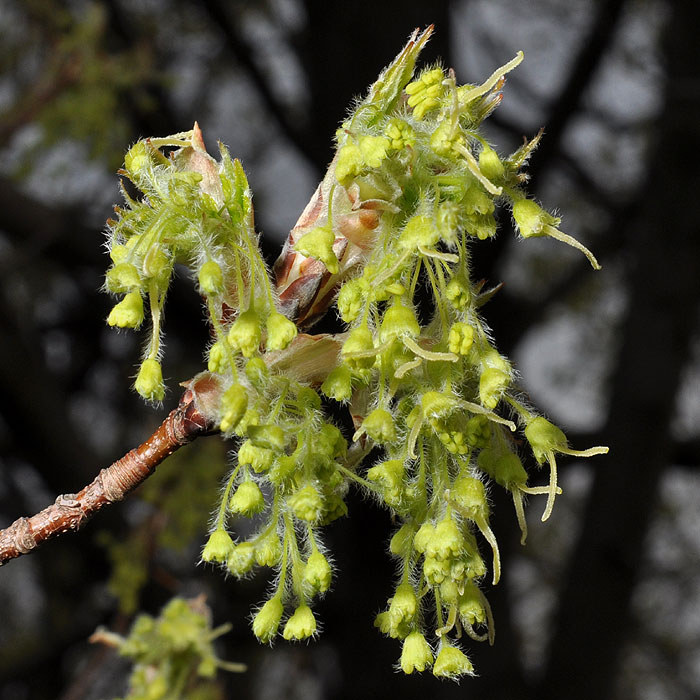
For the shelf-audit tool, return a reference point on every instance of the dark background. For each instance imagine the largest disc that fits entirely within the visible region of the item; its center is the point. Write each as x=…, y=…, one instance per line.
x=604, y=601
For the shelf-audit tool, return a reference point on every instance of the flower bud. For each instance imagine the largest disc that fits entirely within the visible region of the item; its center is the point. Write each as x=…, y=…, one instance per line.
x=451, y=663
x=390, y=475
x=157, y=265
x=317, y=572
x=123, y=277
x=373, y=149
x=267, y=620
x=416, y=654
x=398, y=321
x=461, y=338
x=458, y=292
x=401, y=541
x=301, y=625
x=424, y=93
x=470, y=607
x=269, y=436
x=379, y=425
x=423, y=537
x=149, y=380
x=218, y=546
x=400, y=134
x=359, y=340
x=444, y=138
x=218, y=361
x=403, y=605
x=280, y=331
x=478, y=431
x=128, y=313
x=245, y=334
x=306, y=504
x=257, y=372
x=259, y=458
x=241, y=559
x=247, y=499
x=505, y=467
x=470, y=495
x=447, y=542
x=544, y=437
x=318, y=243
x=349, y=163
x=268, y=551
x=531, y=219
x=211, y=278
x=492, y=384
x=233, y=406
x=338, y=384
x=419, y=230
x=351, y=299
x=490, y=165
x=137, y=159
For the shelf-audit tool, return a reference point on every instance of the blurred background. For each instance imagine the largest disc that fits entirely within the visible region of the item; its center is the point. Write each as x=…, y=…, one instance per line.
x=604, y=600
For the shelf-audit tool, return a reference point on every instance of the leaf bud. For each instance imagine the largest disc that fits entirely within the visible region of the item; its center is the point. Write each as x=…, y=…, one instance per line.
x=149, y=380
x=128, y=313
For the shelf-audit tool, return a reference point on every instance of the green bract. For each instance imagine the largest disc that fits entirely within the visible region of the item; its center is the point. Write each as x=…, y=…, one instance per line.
x=412, y=188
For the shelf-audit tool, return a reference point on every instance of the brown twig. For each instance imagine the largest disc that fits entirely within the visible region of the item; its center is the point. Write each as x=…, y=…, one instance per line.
x=71, y=511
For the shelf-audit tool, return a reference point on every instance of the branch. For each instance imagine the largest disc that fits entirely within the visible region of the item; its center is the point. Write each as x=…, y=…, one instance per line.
x=71, y=511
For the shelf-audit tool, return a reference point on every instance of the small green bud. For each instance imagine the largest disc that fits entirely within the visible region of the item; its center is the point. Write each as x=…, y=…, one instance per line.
x=250, y=417
x=351, y=299
x=218, y=360
x=544, y=437
x=379, y=425
x=461, y=338
x=318, y=243
x=492, y=384
x=373, y=149
x=308, y=399
x=330, y=442
x=128, y=313
x=218, y=547
x=259, y=458
x=436, y=570
x=118, y=253
x=477, y=201
x=451, y=663
x=247, y=499
x=269, y=436
x=435, y=404
x=478, y=431
x=267, y=620
x=490, y=165
x=398, y=321
x=280, y=331
x=505, y=467
x=241, y=559
x=420, y=230
x=317, y=572
x=531, y=219
x=448, y=542
x=301, y=625
x=149, y=380
x=245, y=334
x=416, y=654
x=423, y=537
x=390, y=475
x=458, y=292
x=400, y=134
x=233, y=406
x=424, y=93
x=403, y=606
x=444, y=139
x=211, y=278
x=470, y=495
x=401, y=541
x=470, y=607
x=257, y=372
x=157, y=265
x=284, y=468
x=349, y=163
x=123, y=277
x=359, y=340
x=334, y=508
x=268, y=550
x=306, y=504
x=137, y=159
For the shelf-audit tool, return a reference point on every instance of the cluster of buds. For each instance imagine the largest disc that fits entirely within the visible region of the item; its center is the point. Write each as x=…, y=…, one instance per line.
x=412, y=186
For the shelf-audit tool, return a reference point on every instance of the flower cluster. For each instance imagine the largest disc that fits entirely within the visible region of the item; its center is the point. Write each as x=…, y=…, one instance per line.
x=413, y=185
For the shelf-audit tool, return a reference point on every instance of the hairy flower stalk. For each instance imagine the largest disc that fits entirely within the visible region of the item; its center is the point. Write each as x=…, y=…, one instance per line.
x=413, y=185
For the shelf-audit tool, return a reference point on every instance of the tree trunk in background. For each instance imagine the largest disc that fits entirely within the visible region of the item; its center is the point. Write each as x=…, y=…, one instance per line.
x=664, y=244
